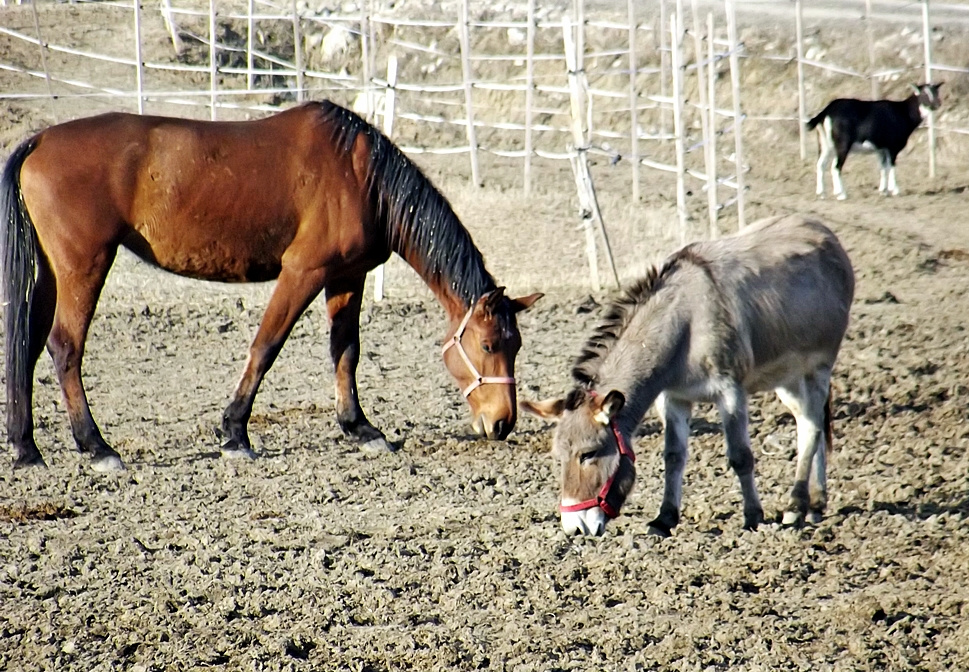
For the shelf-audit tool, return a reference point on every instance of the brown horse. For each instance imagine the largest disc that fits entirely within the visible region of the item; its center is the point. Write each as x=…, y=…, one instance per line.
x=313, y=197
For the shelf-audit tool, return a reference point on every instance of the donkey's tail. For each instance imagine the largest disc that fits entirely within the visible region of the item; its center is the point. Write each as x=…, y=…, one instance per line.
x=18, y=269
x=828, y=434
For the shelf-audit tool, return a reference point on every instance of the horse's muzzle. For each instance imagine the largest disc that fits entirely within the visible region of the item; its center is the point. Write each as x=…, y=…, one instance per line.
x=496, y=431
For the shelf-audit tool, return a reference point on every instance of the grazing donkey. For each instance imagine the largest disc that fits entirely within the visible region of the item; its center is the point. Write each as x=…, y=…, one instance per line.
x=763, y=309
x=881, y=126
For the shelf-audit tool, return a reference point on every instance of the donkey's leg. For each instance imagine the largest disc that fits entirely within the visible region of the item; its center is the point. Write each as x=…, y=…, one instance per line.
x=806, y=400
x=343, y=301
x=733, y=414
x=79, y=284
x=20, y=417
x=295, y=290
x=676, y=423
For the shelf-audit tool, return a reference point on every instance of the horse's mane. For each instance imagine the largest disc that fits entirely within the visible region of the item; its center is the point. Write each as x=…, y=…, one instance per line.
x=620, y=313
x=420, y=223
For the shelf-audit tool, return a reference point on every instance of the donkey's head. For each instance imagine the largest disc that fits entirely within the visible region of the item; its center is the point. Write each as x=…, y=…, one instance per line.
x=595, y=460
x=928, y=97
x=480, y=353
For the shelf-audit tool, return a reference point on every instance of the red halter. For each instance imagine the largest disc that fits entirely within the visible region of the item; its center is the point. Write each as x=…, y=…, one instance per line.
x=600, y=499
x=479, y=380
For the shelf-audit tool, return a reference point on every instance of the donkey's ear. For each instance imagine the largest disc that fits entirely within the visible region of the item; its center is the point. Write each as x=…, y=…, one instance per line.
x=609, y=407
x=916, y=88
x=550, y=409
x=524, y=302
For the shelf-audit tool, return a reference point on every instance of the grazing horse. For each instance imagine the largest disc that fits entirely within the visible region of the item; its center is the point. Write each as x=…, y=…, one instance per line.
x=763, y=309
x=313, y=197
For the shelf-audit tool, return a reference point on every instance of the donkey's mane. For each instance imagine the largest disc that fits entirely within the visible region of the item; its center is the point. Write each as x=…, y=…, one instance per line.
x=620, y=313
x=419, y=221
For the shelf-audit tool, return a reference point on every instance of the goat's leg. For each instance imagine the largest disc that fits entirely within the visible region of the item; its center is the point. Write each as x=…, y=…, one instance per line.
x=806, y=400
x=825, y=154
x=882, y=172
x=733, y=414
x=676, y=423
x=892, y=184
x=839, y=187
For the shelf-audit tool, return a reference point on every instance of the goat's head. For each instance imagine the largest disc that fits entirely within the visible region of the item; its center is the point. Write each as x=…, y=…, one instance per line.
x=928, y=97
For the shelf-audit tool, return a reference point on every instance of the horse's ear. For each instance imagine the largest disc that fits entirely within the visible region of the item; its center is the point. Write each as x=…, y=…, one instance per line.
x=550, y=409
x=524, y=302
x=609, y=407
x=490, y=301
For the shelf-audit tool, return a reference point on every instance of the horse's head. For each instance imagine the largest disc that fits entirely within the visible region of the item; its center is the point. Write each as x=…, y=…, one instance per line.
x=480, y=353
x=596, y=462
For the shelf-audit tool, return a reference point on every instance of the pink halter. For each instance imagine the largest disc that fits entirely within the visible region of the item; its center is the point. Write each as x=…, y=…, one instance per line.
x=479, y=380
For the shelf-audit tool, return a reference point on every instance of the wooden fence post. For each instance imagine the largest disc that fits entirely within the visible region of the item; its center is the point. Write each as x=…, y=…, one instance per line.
x=588, y=202
x=927, y=32
x=676, y=52
x=738, y=118
x=701, y=86
x=465, y=37
x=633, y=99
x=529, y=94
x=213, y=64
x=801, y=96
x=390, y=102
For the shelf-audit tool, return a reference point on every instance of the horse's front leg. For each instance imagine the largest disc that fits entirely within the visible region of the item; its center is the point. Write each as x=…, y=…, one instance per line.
x=733, y=415
x=676, y=423
x=295, y=290
x=343, y=301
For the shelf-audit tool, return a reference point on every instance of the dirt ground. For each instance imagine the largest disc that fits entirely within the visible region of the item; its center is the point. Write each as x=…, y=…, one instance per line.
x=448, y=555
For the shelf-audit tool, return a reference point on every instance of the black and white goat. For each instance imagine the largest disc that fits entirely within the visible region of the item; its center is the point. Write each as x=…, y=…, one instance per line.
x=881, y=126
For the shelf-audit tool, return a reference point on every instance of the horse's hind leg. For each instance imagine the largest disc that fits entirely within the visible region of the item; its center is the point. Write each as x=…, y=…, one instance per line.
x=295, y=290
x=20, y=419
x=343, y=303
x=79, y=287
x=806, y=400
x=733, y=415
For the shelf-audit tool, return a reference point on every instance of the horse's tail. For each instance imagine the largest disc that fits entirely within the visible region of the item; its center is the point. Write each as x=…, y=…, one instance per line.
x=828, y=434
x=18, y=269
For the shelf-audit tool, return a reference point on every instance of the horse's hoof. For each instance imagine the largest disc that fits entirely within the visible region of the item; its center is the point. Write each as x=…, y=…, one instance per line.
x=658, y=529
x=378, y=445
x=236, y=451
x=107, y=463
x=792, y=519
x=27, y=461
x=815, y=517
x=842, y=197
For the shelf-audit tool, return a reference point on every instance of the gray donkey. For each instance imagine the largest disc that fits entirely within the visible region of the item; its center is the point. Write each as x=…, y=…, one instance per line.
x=763, y=309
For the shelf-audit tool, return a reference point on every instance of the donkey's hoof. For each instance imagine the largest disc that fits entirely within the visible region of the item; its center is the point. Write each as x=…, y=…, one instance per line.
x=233, y=450
x=753, y=519
x=377, y=446
x=792, y=519
x=26, y=461
x=815, y=517
x=658, y=529
x=107, y=463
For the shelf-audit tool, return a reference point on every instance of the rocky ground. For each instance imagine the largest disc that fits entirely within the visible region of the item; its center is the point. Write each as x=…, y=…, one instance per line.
x=447, y=555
